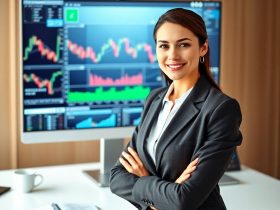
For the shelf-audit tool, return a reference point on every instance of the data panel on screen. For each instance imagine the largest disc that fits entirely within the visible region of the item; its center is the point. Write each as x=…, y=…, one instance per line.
x=88, y=66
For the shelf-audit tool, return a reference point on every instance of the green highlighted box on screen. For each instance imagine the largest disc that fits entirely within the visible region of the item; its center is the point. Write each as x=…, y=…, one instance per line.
x=72, y=15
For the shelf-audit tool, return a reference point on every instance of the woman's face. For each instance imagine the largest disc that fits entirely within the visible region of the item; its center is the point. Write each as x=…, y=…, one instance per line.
x=178, y=52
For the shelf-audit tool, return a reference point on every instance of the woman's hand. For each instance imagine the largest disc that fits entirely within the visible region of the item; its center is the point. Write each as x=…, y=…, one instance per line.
x=133, y=164
x=187, y=172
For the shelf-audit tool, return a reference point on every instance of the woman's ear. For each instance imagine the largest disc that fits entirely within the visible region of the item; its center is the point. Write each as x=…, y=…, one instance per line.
x=204, y=48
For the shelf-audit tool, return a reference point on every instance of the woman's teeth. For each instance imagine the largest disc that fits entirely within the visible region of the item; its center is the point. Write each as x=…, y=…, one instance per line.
x=175, y=66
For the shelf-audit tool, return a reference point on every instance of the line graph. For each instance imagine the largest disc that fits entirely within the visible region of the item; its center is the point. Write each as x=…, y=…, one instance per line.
x=33, y=82
x=111, y=45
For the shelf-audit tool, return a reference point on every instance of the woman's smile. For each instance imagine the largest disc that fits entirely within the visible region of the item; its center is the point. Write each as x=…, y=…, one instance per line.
x=175, y=66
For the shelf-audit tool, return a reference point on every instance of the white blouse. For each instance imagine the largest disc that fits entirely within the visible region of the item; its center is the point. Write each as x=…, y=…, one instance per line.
x=166, y=114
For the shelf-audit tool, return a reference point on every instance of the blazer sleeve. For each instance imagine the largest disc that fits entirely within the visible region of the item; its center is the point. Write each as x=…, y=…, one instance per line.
x=222, y=137
x=121, y=181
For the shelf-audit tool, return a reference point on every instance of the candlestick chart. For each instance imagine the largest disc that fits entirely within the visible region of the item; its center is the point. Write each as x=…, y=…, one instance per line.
x=119, y=46
x=43, y=46
x=43, y=83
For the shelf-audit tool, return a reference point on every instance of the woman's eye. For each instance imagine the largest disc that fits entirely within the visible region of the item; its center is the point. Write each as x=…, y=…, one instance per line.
x=163, y=46
x=184, y=45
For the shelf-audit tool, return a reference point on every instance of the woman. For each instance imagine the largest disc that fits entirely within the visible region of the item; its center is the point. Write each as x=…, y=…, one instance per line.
x=188, y=131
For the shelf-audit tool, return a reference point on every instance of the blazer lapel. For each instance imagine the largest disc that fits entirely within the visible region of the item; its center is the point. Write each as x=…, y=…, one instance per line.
x=184, y=115
x=147, y=124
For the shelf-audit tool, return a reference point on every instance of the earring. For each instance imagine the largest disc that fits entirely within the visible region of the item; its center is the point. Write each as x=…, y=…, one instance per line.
x=201, y=59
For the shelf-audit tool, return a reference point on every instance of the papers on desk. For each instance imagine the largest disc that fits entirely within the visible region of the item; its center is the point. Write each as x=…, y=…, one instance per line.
x=70, y=206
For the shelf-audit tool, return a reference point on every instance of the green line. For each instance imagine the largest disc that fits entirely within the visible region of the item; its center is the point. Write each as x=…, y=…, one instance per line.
x=28, y=49
x=53, y=78
x=120, y=45
x=58, y=40
x=128, y=93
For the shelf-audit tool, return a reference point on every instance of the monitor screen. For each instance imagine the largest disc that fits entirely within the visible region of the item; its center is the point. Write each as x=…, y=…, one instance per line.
x=87, y=66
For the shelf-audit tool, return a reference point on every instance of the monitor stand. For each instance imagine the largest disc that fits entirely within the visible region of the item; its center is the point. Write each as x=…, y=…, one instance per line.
x=110, y=151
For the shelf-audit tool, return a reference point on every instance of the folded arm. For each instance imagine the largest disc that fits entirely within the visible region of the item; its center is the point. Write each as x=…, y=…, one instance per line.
x=130, y=168
x=221, y=140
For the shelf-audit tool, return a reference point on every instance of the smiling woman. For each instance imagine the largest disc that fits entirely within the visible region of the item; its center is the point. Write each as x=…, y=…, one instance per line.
x=189, y=130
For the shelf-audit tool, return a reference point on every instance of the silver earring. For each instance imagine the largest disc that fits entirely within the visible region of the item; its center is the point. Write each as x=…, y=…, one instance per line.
x=201, y=59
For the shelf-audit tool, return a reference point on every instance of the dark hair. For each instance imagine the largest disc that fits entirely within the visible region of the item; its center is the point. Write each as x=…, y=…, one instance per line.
x=192, y=21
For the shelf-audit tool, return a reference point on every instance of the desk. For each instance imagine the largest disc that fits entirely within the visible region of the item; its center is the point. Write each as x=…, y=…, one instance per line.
x=257, y=191
x=69, y=184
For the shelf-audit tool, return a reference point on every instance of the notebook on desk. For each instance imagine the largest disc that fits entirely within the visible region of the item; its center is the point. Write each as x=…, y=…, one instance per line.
x=68, y=206
x=228, y=180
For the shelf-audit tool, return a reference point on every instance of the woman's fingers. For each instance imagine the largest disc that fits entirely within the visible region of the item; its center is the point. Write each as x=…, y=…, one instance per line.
x=187, y=172
x=126, y=165
x=135, y=155
x=192, y=166
x=132, y=163
x=194, y=162
x=129, y=158
x=133, y=158
x=182, y=178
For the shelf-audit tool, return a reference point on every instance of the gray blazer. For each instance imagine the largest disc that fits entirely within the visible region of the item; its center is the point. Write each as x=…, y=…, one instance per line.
x=206, y=126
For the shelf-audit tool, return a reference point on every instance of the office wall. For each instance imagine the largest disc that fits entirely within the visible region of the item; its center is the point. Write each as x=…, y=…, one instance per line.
x=250, y=50
x=5, y=144
x=250, y=73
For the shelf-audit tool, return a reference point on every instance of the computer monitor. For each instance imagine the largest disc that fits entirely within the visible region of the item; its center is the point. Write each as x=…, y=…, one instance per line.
x=87, y=66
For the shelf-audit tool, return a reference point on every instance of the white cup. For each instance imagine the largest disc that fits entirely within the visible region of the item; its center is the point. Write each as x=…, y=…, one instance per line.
x=26, y=181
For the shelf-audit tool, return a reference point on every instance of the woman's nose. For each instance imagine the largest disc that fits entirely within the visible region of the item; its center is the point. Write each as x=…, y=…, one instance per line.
x=173, y=53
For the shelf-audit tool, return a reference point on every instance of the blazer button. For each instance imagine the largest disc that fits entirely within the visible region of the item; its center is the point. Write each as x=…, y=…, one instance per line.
x=145, y=201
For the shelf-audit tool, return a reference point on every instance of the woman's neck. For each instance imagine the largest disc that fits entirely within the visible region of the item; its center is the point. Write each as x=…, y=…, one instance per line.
x=180, y=87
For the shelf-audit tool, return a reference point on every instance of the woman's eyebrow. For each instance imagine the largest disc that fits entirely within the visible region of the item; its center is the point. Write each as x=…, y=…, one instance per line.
x=162, y=41
x=179, y=40
x=184, y=39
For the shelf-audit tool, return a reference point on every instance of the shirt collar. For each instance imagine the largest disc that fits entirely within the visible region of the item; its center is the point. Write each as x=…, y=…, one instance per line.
x=181, y=99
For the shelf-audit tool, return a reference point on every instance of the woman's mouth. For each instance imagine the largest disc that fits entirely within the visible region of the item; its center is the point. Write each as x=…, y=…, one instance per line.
x=175, y=67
